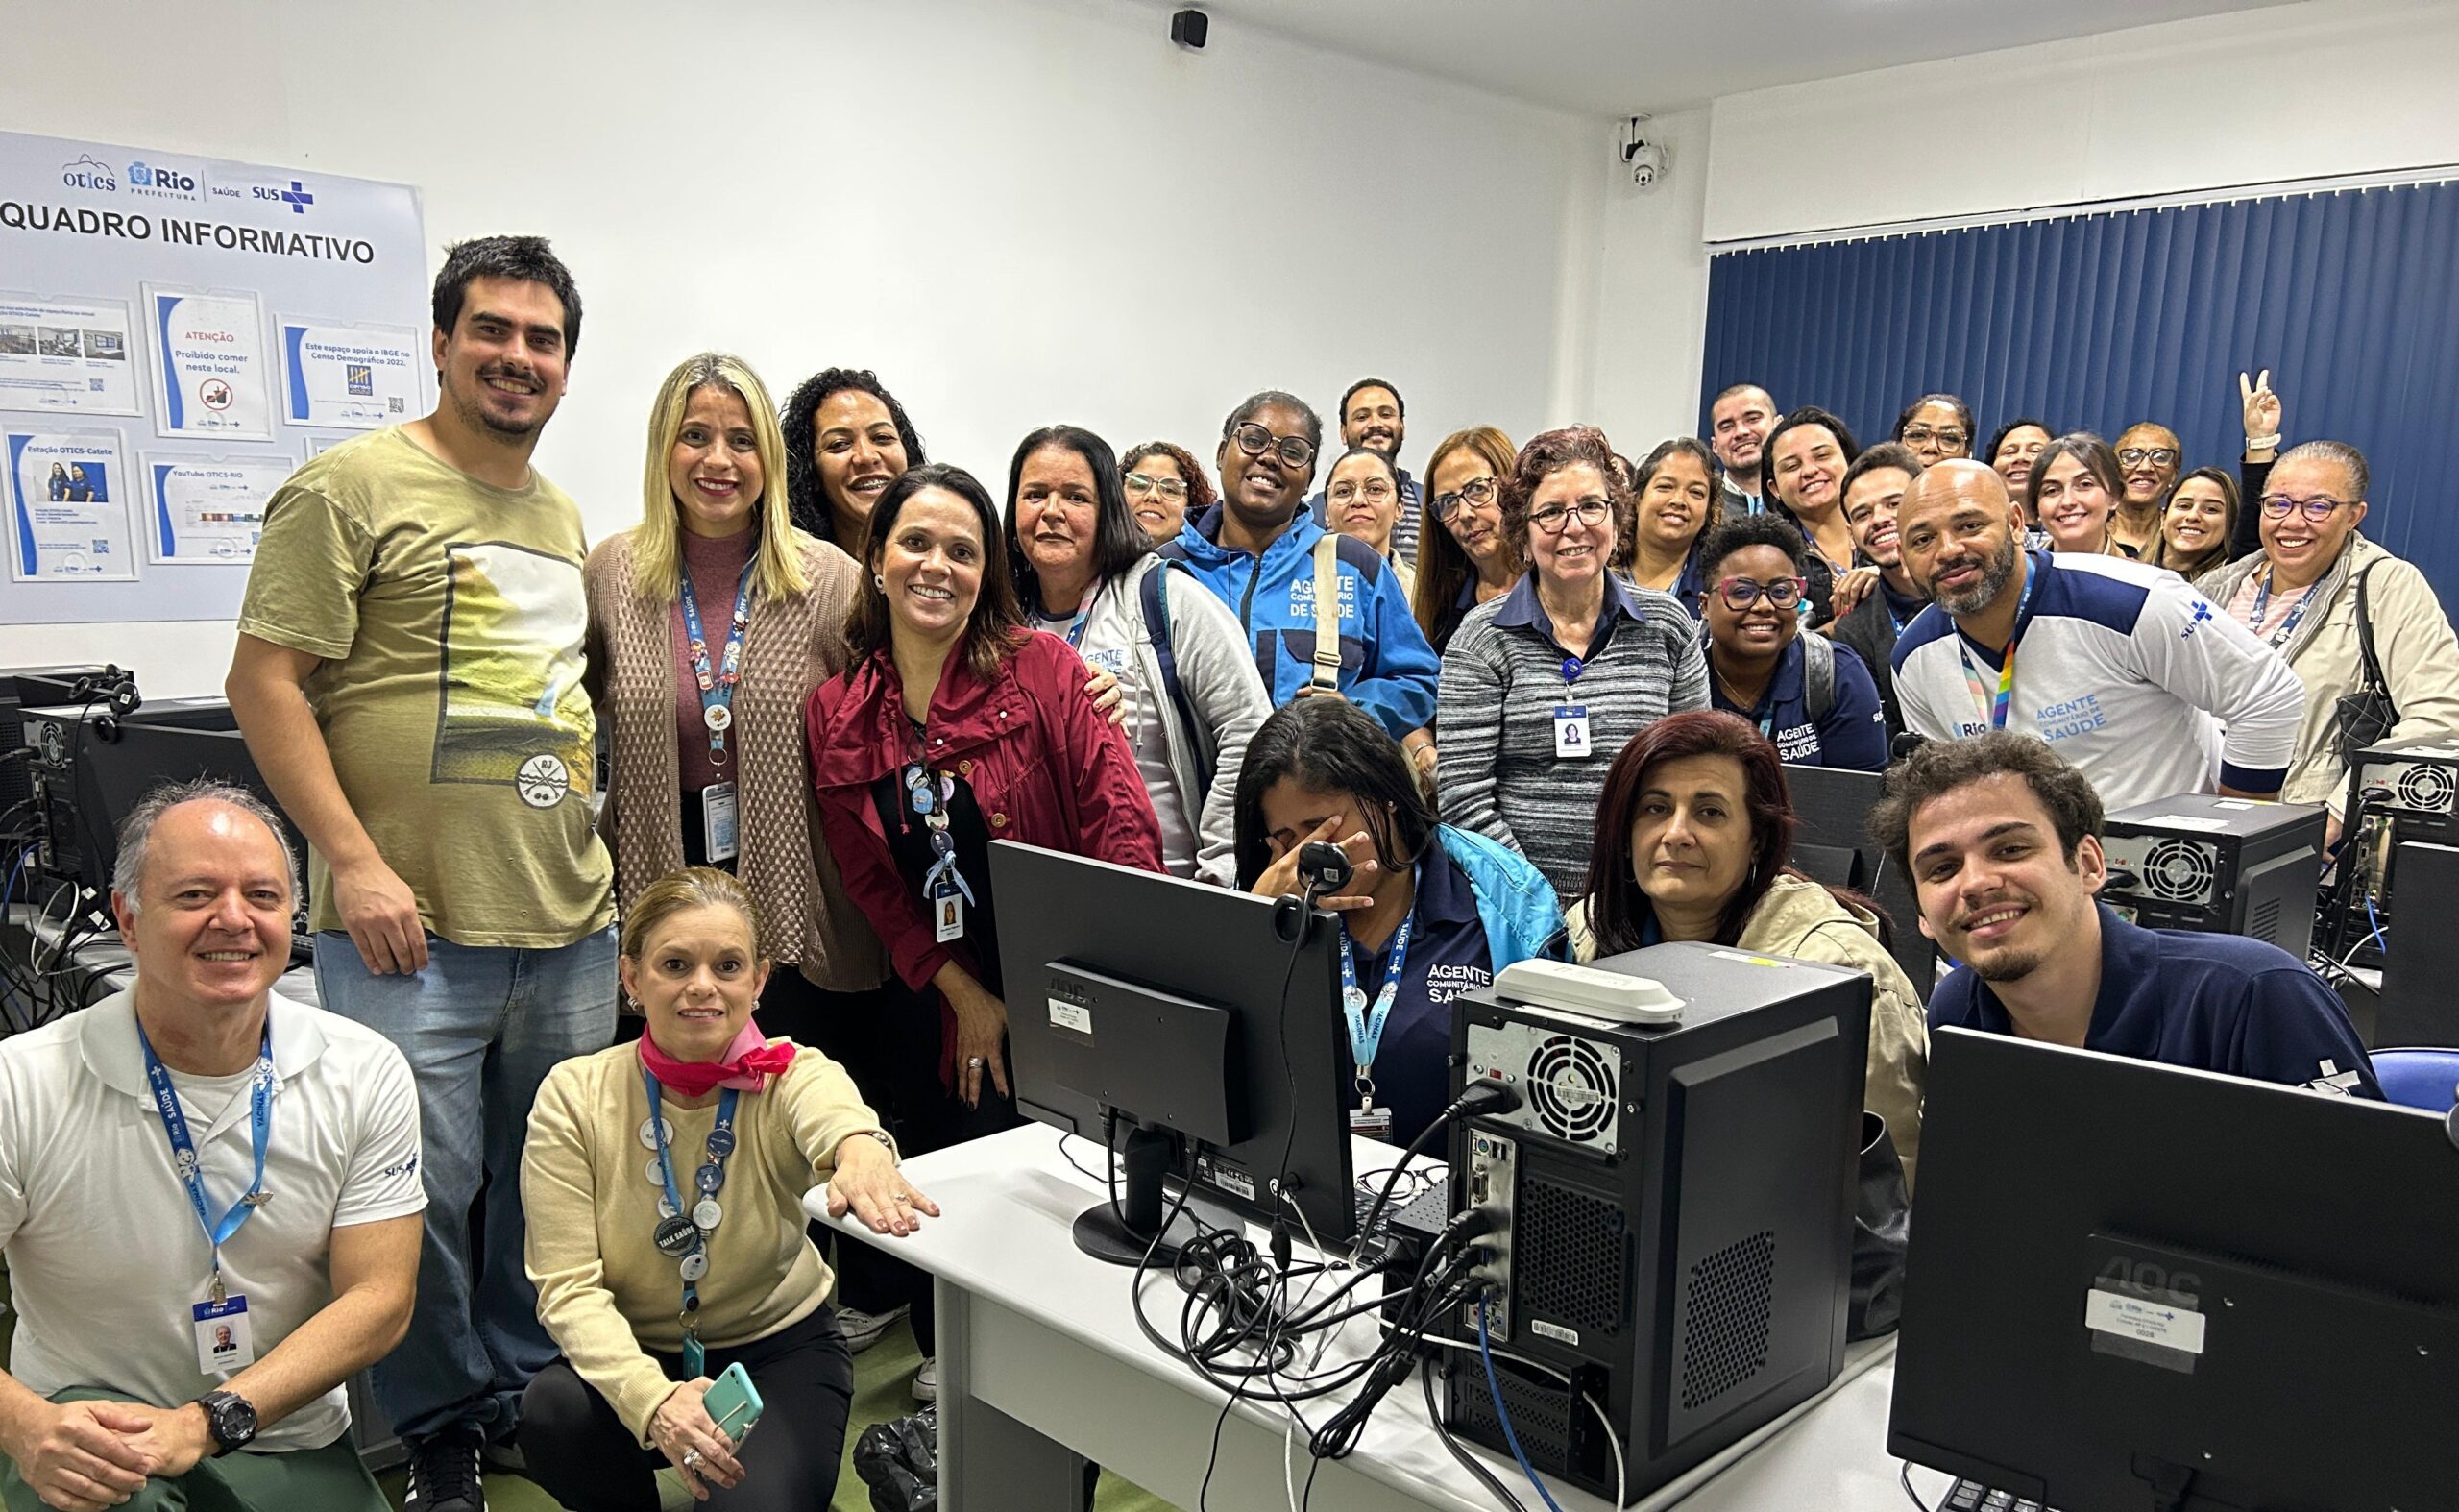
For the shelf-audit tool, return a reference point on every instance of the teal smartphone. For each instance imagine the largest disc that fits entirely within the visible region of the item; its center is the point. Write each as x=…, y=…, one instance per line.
x=733, y=1403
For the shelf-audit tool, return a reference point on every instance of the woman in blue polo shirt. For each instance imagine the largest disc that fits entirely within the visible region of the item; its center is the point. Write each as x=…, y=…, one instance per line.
x=1433, y=912
x=1808, y=695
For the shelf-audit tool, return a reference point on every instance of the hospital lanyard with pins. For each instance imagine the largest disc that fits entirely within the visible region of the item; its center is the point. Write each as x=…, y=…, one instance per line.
x=184, y=1156
x=1365, y=1026
x=1996, y=708
x=717, y=683
x=686, y=1238
x=2288, y=624
x=930, y=801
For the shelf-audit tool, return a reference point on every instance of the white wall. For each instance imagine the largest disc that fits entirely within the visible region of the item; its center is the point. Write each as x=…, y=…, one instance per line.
x=1018, y=213
x=2337, y=86
x=1653, y=294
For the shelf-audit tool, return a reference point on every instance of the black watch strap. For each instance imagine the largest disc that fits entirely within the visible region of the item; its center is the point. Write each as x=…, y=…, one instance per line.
x=230, y=1418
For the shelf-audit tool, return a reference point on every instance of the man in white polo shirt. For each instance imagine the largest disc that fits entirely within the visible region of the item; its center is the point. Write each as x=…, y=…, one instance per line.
x=2124, y=670
x=209, y=1199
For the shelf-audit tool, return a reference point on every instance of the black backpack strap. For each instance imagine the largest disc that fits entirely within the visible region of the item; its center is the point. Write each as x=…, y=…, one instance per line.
x=2373, y=678
x=1818, y=675
x=1157, y=629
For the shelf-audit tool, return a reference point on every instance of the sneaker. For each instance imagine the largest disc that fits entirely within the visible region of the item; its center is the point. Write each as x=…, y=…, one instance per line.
x=926, y=1380
x=863, y=1329
x=444, y=1472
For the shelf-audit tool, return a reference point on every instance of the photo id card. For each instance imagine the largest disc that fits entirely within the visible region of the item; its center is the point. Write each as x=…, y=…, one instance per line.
x=947, y=912
x=1571, y=729
x=720, y=821
x=222, y=1342
x=1371, y=1122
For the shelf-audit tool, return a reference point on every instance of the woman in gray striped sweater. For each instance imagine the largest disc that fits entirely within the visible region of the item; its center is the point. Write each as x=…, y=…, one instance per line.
x=1542, y=686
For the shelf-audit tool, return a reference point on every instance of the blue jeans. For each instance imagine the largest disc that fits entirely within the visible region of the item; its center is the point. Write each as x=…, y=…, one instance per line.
x=480, y=1029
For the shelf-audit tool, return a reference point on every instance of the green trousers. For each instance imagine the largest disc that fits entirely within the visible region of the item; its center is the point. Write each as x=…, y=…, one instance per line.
x=327, y=1479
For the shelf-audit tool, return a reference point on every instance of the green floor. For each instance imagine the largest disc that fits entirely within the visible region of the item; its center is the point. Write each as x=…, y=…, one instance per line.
x=880, y=1376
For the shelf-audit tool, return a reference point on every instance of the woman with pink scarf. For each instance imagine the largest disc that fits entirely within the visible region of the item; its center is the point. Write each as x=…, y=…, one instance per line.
x=664, y=1185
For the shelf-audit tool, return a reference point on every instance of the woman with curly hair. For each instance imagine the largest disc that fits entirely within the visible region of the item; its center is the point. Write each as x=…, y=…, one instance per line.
x=846, y=440
x=1163, y=487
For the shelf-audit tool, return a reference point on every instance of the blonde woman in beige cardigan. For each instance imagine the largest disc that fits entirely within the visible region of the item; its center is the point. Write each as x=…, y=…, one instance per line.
x=717, y=775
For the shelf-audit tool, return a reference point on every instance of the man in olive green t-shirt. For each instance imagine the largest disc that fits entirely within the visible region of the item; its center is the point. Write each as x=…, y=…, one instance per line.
x=408, y=676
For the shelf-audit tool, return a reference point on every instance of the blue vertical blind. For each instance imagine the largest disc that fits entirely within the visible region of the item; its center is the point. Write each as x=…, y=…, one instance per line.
x=2096, y=322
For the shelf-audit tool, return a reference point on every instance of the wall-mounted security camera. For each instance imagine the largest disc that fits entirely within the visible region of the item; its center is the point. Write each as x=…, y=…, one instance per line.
x=1188, y=29
x=1645, y=159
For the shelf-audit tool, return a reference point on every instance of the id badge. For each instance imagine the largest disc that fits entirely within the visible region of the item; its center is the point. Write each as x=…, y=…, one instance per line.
x=721, y=826
x=222, y=1341
x=1371, y=1122
x=1571, y=729
x=947, y=912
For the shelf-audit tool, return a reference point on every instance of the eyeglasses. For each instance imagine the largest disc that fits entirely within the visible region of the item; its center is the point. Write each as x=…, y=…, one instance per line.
x=1169, y=488
x=1740, y=593
x=1255, y=440
x=2318, y=510
x=1923, y=435
x=2158, y=456
x=1555, y=519
x=1375, y=490
x=1477, y=491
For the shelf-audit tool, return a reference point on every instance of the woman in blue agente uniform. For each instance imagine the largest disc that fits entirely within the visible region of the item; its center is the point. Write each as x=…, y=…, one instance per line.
x=1433, y=912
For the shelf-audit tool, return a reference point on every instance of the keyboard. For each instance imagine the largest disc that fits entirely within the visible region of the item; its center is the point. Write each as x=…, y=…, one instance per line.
x=1971, y=1495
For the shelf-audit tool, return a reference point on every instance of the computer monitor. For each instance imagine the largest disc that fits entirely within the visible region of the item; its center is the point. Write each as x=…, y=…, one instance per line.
x=1831, y=843
x=1178, y=1011
x=2134, y=1286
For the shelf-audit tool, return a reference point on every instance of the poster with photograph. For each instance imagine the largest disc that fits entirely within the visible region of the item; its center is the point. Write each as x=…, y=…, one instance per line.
x=210, y=377
x=342, y=374
x=68, y=507
x=66, y=357
x=210, y=509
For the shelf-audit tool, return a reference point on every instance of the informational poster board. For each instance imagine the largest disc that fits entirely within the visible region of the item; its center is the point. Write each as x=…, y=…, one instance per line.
x=176, y=335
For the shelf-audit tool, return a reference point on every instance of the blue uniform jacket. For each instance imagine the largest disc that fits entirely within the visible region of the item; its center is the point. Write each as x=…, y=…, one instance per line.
x=1387, y=667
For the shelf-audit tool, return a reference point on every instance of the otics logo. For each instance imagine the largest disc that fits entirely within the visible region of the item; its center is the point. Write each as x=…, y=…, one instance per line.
x=88, y=172
x=162, y=181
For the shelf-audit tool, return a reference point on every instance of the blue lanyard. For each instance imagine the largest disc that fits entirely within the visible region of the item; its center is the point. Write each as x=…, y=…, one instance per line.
x=716, y=685
x=1573, y=666
x=1074, y=631
x=1365, y=1028
x=2287, y=626
x=184, y=1156
x=707, y=1182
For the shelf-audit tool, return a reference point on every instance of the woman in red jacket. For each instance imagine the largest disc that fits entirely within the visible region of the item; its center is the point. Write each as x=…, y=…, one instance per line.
x=953, y=726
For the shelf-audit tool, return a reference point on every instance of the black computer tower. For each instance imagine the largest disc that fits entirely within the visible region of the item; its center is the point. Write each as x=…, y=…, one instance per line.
x=2218, y=867
x=24, y=687
x=82, y=785
x=1676, y=1210
x=2398, y=792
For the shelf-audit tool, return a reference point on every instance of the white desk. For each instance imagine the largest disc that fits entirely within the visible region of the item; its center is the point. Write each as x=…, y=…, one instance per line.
x=1042, y=1367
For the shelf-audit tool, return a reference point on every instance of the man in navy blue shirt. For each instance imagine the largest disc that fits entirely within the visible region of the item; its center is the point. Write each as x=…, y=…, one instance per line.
x=1808, y=694
x=2001, y=837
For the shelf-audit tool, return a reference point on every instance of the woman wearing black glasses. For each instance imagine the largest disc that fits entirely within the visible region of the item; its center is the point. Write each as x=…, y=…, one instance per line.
x=1936, y=426
x=1464, y=557
x=1810, y=695
x=2150, y=459
x=1543, y=685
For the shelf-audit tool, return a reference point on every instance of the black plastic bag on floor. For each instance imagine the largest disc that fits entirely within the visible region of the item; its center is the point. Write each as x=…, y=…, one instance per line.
x=900, y=1462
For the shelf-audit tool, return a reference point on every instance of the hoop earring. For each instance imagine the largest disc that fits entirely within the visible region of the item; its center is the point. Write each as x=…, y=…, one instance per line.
x=879, y=582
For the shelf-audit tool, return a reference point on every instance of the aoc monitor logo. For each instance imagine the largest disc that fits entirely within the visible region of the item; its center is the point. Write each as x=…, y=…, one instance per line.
x=158, y=179
x=88, y=172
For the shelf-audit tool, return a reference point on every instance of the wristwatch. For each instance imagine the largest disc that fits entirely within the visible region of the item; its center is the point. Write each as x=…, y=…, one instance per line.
x=229, y=1418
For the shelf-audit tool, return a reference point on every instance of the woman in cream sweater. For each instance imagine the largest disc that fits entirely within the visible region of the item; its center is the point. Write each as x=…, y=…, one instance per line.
x=664, y=1185
x=1695, y=838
